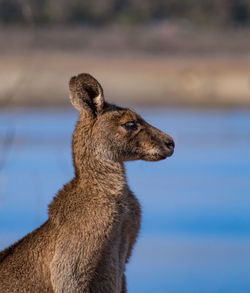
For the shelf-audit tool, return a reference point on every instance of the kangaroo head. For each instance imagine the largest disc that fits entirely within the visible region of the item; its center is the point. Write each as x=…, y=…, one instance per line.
x=112, y=133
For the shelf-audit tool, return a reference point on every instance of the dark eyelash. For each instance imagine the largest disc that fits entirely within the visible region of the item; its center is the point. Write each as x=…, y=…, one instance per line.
x=130, y=125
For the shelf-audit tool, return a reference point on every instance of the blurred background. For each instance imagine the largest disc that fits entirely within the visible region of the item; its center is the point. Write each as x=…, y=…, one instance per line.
x=184, y=66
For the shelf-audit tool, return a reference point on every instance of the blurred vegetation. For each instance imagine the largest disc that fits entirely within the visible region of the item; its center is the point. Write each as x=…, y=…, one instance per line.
x=218, y=13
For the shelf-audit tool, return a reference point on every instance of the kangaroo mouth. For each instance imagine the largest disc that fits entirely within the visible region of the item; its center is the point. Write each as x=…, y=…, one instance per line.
x=170, y=153
x=166, y=152
x=163, y=157
x=158, y=156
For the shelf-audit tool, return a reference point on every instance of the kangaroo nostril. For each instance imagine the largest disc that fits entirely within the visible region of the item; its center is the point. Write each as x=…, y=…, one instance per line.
x=170, y=144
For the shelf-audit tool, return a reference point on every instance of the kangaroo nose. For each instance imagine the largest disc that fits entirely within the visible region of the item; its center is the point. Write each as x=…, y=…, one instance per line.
x=170, y=144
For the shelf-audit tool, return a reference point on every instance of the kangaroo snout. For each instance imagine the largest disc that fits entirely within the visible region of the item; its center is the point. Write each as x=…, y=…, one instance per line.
x=169, y=143
x=168, y=146
x=157, y=144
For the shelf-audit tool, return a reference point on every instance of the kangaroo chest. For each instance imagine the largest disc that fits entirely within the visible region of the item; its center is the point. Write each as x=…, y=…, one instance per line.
x=111, y=268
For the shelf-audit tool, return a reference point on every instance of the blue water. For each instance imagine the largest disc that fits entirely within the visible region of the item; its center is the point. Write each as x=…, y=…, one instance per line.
x=195, y=233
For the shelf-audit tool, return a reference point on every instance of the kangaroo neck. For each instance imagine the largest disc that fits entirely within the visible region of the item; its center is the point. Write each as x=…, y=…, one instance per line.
x=92, y=170
x=102, y=176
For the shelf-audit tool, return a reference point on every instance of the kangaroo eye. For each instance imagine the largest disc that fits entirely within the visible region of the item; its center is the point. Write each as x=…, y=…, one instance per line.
x=130, y=126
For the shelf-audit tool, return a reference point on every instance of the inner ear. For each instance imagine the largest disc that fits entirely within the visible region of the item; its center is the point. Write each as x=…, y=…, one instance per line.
x=96, y=97
x=86, y=94
x=91, y=91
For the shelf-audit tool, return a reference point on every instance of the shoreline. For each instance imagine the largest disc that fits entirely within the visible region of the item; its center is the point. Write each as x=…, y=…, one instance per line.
x=180, y=70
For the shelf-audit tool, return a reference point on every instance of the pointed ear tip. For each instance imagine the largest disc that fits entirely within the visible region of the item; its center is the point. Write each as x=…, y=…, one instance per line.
x=83, y=75
x=85, y=80
x=80, y=76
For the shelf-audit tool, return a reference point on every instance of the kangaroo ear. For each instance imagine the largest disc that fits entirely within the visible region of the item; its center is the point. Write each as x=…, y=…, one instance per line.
x=86, y=94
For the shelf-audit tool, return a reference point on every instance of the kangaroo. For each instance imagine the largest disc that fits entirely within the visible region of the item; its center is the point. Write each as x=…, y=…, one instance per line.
x=94, y=219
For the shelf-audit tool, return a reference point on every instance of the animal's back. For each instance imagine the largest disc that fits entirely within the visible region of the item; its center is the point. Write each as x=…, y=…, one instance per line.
x=23, y=266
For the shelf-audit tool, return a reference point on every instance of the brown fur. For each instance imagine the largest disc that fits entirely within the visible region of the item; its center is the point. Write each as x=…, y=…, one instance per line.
x=94, y=220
